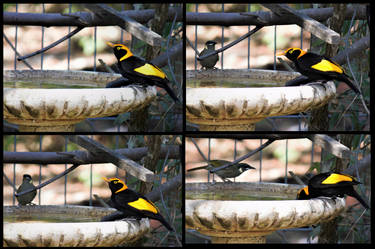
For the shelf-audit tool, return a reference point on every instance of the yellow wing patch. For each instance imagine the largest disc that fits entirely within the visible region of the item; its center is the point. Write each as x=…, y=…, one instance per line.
x=142, y=204
x=336, y=178
x=151, y=70
x=305, y=189
x=327, y=66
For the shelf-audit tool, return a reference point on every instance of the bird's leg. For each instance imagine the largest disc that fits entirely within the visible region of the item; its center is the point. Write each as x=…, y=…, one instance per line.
x=226, y=180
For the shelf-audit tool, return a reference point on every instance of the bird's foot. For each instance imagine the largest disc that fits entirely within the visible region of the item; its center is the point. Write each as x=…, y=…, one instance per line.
x=131, y=218
x=314, y=83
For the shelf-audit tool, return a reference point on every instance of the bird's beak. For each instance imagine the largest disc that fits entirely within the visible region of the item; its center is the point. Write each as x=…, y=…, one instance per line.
x=280, y=53
x=105, y=179
x=110, y=44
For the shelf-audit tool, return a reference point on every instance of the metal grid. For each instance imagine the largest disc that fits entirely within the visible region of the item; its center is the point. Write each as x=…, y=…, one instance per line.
x=41, y=144
x=282, y=234
x=209, y=148
x=69, y=57
x=298, y=120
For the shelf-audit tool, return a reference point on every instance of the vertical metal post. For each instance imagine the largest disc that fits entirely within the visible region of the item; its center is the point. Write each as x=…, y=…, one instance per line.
x=40, y=169
x=66, y=167
x=14, y=169
x=15, y=45
x=260, y=160
x=286, y=161
x=209, y=158
x=42, y=43
x=69, y=40
x=222, y=39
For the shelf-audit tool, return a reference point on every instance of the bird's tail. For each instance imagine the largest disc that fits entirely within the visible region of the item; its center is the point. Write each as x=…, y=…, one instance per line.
x=169, y=91
x=359, y=198
x=164, y=222
x=350, y=84
x=198, y=168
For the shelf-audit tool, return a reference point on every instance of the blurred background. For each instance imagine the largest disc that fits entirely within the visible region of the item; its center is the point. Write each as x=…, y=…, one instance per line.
x=346, y=112
x=84, y=51
x=272, y=164
x=79, y=186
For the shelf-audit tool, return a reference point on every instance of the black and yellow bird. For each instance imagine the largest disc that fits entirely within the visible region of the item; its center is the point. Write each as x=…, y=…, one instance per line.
x=27, y=183
x=131, y=203
x=317, y=67
x=140, y=71
x=229, y=172
x=331, y=184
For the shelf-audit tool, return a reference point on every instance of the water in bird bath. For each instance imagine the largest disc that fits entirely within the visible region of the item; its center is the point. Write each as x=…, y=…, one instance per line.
x=54, y=219
x=241, y=191
x=233, y=83
x=46, y=85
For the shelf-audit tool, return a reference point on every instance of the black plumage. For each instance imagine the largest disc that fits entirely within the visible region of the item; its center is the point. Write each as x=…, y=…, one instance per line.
x=331, y=184
x=317, y=67
x=27, y=183
x=210, y=61
x=132, y=204
x=139, y=71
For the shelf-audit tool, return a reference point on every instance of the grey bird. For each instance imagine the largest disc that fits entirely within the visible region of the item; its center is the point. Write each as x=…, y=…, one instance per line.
x=229, y=172
x=209, y=62
x=27, y=183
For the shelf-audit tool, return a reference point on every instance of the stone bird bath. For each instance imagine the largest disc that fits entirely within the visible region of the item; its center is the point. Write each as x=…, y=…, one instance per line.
x=21, y=231
x=238, y=109
x=57, y=110
x=249, y=221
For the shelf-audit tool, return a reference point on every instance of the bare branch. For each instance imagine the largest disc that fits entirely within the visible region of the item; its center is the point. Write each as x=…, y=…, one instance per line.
x=127, y=23
x=117, y=159
x=21, y=58
x=232, y=43
x=83, y=156
x=306, y=22
x=86, y=19
x=266, y=18
x=49, y=181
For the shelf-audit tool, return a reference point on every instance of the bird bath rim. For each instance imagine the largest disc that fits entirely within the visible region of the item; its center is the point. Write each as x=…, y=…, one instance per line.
x=59, y=109
x=250, y=221
x=236, y=109
x=70, y=234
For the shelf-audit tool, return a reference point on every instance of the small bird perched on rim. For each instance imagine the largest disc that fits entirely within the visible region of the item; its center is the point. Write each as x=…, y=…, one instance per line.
x=27, y=183
x=140, y=71
x=317, y=67
x=210, y=61
x=331, y=184
x=131, y=203
x=229, y=172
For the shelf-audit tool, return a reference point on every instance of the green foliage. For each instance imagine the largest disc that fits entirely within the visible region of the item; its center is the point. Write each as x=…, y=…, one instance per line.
x=293, y=155
x=88, y=45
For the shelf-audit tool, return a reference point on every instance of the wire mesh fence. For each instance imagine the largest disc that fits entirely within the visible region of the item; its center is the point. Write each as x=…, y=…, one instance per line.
x=71, y=37
x=279, y=162
x=45, y=157
x=230, y=26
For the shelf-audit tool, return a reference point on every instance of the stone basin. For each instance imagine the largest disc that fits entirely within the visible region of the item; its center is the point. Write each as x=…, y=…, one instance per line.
x=249, y=221
x=37, y=232
x=239, y=108
x=58, y=110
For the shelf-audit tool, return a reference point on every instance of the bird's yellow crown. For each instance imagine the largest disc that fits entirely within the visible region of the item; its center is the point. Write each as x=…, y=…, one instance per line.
x=121, y=50
x=115, y=181
x=291, y=51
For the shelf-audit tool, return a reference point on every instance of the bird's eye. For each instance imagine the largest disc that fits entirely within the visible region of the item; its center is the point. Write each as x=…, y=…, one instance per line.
x=115, y=182
x=118, y=48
